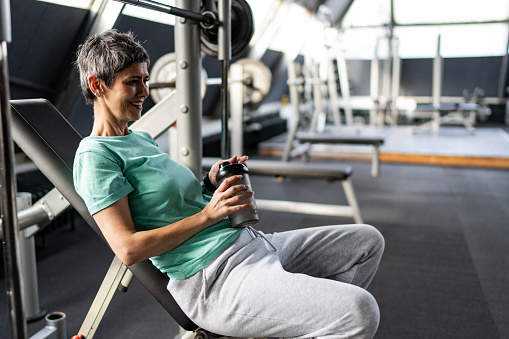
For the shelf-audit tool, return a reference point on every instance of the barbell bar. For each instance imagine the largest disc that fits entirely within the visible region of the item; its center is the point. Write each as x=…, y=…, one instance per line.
x=257, y=79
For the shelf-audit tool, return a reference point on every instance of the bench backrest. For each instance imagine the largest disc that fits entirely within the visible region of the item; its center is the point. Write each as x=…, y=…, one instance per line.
x=50, y=141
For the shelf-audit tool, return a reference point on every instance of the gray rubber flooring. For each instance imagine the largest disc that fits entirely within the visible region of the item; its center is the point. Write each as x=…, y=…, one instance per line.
x=444, y=274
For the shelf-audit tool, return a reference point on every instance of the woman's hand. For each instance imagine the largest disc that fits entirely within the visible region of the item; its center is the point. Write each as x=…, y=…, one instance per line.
x=224, y=199
x=215, y=167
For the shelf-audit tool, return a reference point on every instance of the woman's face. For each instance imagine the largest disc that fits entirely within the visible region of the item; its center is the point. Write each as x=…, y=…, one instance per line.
x=125, y=97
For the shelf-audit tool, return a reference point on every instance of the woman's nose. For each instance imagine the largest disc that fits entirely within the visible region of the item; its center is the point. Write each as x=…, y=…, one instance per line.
x=144, y=90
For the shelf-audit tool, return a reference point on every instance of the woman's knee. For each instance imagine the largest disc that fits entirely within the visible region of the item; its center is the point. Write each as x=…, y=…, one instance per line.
x=373, y=236
x=365, y=315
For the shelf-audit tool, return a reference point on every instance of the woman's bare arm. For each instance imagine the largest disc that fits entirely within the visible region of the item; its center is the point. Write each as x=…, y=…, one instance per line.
x=131, y=246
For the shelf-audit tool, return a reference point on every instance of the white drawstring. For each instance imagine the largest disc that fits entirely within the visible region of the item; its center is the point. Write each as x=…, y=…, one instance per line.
x=255, y=234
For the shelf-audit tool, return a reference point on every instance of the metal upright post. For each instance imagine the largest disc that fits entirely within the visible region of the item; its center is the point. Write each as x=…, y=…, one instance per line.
x=437, y=87
x=344, y=84
x=502, y=83
x=317, y=96
x=294, y=100
x=396, y=79
x=237, y=109
x=333, y=93
x=374, y=89
x=224, y=54
x=189, y=69
x=10, y=226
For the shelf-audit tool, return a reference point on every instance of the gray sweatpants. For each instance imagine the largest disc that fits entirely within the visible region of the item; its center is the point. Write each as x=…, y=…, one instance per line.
x=312, y=286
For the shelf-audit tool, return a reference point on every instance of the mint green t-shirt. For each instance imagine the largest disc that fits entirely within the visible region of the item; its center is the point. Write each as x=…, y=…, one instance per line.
x=160, y=192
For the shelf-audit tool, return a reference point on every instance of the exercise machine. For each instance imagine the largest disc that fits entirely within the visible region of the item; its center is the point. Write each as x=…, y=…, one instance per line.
x=299, y=141
x=53, y=153
x=311, y=86
x=12, y=224
x=459, y=113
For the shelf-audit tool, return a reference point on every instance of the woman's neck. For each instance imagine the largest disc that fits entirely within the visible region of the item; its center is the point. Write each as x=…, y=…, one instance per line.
x=109, y=131
x=105, y=125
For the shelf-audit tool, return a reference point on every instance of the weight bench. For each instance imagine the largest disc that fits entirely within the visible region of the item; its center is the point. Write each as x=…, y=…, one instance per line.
x=329, y=172
x=462, y=113
x=48, y=139
x=321, y=138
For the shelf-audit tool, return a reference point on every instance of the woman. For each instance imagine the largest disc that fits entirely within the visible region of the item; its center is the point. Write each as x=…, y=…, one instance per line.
x=303, y=283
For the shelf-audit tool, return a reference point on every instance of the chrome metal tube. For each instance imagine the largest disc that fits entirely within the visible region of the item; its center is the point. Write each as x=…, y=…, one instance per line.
x=225, y=111
x=225, y=54
x=31, y=216
x=5, y=21
x=56, y=327
x=156, y=6
x=189, y=102
x=10, y=221
x=237, y=109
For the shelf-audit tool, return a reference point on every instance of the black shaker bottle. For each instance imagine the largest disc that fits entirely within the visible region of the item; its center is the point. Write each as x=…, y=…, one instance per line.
x=242, y=218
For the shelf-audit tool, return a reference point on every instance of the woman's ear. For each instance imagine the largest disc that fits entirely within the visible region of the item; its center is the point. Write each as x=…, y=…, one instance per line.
x=94, y=83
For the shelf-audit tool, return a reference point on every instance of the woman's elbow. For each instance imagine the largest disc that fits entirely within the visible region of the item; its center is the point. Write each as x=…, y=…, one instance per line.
x=128, y=257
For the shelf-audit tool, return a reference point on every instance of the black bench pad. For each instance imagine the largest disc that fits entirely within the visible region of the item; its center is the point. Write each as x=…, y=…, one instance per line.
x=297, y=169
x=340, y=139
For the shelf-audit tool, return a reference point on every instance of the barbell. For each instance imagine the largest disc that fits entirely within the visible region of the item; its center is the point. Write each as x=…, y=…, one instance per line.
x=256, y=78
x=242, y=28
x=163, y=78
x=242, y=23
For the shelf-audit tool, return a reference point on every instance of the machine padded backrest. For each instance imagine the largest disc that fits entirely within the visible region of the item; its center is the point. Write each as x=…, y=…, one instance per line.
x=48, y=139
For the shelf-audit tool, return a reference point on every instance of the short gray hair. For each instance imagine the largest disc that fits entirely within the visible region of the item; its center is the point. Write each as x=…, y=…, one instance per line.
x=106, y=55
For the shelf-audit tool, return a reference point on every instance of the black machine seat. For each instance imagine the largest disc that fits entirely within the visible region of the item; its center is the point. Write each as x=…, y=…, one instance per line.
x=329, y=172
x=48, y=139
x=308, y=138
x=340, y=139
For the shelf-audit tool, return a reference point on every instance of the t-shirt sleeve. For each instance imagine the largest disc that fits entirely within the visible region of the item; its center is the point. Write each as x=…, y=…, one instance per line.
x=147, y=136
x=99, y=181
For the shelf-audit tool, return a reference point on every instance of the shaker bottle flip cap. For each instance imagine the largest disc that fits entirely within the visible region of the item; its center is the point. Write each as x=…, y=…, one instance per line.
x=227, y=168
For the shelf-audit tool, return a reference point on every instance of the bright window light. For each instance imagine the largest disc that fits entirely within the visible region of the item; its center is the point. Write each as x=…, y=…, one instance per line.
x=455, y=41
x=417, y=41
x=450, y=11
x=151, y=15
x=85, y=4
x=368, y=13
x=291, y=30
x=363, y=43
x=315, y=44
x=474, y=40
x=260, y=9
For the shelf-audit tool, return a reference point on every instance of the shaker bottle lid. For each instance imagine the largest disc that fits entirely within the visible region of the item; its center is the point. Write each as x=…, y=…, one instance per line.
x=226, y=168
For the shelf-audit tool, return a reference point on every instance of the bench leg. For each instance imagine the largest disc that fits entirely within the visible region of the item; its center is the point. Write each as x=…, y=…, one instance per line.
x=352, y=201
x=103, y=298
x=375, y=162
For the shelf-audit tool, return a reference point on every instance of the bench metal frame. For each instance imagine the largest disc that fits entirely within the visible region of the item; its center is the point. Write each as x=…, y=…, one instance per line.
x=308, y=139
x=330, y=172
x=299, y=144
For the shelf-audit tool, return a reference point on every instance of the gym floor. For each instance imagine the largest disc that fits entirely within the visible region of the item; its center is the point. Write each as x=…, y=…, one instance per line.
x=444, y=273
x=451, y=145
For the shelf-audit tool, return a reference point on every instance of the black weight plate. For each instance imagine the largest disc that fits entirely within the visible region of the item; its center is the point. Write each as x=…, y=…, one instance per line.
x=242, y=30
